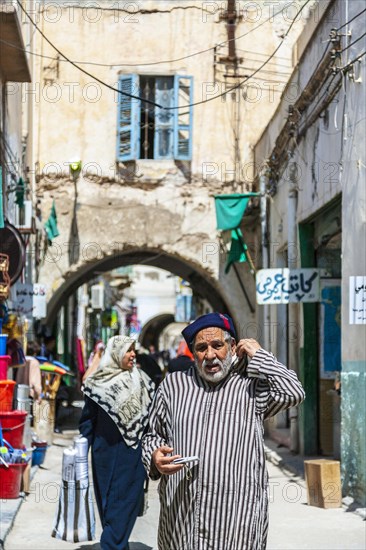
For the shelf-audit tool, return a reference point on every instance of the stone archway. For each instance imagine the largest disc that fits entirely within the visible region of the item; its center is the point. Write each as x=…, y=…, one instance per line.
x=202, y=282
x=154, y=327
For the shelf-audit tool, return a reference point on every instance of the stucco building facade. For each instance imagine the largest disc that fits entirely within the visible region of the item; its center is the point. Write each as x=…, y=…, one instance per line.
x=315, y=158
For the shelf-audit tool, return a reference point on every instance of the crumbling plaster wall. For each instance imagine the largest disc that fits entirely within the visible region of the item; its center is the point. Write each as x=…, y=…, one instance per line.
x=164, y=204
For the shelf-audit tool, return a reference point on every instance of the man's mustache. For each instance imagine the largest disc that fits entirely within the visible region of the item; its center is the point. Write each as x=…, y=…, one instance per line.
x=207, y=363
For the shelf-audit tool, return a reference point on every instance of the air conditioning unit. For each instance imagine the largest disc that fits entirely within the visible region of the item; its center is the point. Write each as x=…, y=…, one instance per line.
x=23, y=218
x=97, y=297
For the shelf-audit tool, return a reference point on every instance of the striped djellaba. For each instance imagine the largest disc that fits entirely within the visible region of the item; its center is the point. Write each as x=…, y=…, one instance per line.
x=221, y=503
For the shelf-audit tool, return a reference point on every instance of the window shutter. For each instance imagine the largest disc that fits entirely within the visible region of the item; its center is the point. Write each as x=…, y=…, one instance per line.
x=128, y=122
x=183, y=117
x=164, y=120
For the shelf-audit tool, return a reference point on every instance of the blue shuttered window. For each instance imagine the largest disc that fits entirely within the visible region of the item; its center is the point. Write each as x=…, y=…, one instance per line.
x=128, y=121
x=183, y=92
x=145, y=131
x=164, y=120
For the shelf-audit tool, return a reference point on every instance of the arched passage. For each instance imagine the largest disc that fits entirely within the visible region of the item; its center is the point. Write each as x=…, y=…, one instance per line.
x=202, y=282
x=151, y=330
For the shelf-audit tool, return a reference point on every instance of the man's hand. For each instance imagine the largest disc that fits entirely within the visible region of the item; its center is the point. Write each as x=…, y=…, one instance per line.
x=163, y=462
x=247, y=346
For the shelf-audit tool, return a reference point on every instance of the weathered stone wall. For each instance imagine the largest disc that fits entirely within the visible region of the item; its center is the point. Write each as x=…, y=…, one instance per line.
x=160, y=205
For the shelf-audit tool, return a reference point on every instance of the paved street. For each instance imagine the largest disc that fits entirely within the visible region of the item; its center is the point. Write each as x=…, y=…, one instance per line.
x=293, y=524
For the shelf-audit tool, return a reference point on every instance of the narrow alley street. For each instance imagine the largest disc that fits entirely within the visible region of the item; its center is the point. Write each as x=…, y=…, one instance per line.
x=182, y=270
x=293, y=524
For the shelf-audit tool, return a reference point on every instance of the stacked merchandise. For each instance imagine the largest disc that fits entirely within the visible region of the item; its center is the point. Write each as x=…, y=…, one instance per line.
x=75, y=519
x=39, y=450
x=45, y=408
x=4, y=358
x=13, y=462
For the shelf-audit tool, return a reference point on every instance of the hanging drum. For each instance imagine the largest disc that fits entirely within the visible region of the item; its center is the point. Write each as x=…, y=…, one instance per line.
x=12, y=244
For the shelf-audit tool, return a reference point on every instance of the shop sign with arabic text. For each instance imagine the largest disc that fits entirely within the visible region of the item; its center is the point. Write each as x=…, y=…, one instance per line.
x=284, y=285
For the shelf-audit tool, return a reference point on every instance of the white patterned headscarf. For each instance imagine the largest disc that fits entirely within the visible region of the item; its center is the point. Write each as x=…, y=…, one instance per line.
x=125, y=395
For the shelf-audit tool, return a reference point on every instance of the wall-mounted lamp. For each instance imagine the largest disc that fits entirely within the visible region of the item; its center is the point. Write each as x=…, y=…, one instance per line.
x=75, y=168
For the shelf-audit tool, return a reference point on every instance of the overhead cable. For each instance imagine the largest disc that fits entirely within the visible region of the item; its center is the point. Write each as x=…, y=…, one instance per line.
x=147, y=64
x=352, y=43
x=132, y=96
x=240, y=84
x=350, y=20
x=352, y=62
x=327, y=90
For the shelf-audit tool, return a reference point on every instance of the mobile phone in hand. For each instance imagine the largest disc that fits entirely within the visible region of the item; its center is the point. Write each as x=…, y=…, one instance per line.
x=186, y=459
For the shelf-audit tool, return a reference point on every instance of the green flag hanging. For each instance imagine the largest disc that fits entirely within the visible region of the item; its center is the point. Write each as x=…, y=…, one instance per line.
x=230, y=209
x=20, y=193
x=237, y=249
x=51, y=224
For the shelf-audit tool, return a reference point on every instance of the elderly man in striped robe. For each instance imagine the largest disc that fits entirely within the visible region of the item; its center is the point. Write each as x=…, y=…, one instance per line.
x=215, y=411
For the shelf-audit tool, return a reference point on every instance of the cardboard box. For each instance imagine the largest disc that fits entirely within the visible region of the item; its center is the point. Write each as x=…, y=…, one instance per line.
x=323, y=482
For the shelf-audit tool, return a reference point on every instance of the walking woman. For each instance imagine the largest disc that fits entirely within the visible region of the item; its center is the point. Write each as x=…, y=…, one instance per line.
x=117, y=400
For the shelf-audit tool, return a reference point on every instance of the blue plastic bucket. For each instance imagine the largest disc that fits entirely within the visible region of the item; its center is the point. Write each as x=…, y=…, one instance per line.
x=3, y=341
x=38, y=455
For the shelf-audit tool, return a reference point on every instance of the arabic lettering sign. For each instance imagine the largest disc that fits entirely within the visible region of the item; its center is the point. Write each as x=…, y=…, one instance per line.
x=357, y=300
x=283, y=286
x=30, y=300
x=23, y=298
x=39, y=301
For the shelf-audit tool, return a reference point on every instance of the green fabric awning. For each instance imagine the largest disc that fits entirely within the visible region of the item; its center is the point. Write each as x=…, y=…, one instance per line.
x=230, y=209
x=51, y=224
x=237, y=250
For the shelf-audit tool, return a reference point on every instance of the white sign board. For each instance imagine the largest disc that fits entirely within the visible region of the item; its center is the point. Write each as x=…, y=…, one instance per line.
x=357, y=300
x=23, y=299
x=30, y=300
x=283, y=286
x=39, y=301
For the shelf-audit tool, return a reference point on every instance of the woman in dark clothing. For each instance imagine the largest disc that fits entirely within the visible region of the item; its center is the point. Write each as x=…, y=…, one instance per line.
x=117, y=399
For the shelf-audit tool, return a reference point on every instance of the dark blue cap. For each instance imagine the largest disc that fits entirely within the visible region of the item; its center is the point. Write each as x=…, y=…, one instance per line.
x=218, y=320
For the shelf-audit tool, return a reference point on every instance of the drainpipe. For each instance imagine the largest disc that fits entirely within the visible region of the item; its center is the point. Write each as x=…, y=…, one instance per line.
x=263, y=185
x=293, y=332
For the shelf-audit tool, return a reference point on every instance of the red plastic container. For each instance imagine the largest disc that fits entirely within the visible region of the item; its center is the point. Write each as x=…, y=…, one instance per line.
x=6, y=395
x=13, y=423
x=4, y=363
x=10, y=480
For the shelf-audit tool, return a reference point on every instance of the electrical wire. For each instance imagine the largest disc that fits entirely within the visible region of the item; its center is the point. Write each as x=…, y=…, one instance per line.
x=43, y=56
x=352, y=43
x=350, y=21
x=8, y=149
x=263, y=55
x=339, y=69
x=207, y=49
x=249, y=76
x=268, y=71
x=320, y=98
x=322, y=58
x=153, y=62
x=152, y=102
x=132, y=96
x=352, y=62
x=266, y=80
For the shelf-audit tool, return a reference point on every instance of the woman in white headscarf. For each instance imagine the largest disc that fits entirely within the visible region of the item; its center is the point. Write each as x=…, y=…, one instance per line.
x=117, y=401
